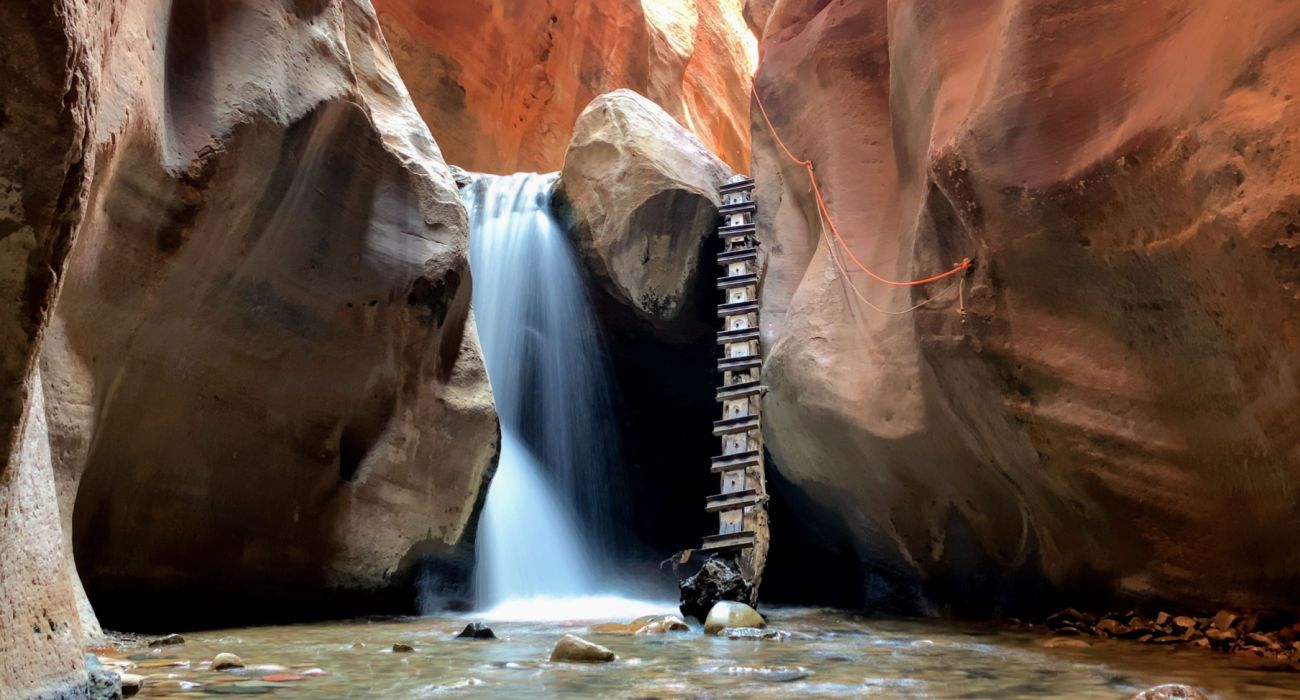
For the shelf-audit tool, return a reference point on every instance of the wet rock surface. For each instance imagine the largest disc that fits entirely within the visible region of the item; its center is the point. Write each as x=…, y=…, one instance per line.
x=754, y=634
x=169, y=640
x=717, y=580
x=476, y=630
x=645, y=625
x=1171, y=692
x=573, y=649
x=104, y=683
x=726, y=614
x=226, y=660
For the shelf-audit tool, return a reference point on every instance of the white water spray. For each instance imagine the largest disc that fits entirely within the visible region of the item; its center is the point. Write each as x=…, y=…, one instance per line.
x=551, y=498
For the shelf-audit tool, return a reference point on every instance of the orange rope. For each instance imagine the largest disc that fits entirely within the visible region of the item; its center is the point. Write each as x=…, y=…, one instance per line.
x=825, y=213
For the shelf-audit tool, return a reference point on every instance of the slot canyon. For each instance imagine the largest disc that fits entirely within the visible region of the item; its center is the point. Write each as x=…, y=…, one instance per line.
x=333, y=328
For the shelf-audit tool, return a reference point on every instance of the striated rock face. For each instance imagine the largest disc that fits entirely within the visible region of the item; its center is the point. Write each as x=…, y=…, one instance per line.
x=1118, y=408
x=502, y=83
x=640, y=194
x=47, y=82
x=263, y=388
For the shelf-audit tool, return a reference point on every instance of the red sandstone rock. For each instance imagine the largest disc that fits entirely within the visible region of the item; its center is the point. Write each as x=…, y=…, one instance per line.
x=502, y=83
x=261, y=376
x=262, y=359
x=48, y=80
x=1120, y=403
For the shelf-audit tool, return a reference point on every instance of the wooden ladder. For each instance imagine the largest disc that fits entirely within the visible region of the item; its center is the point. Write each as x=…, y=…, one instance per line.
x=741, y=504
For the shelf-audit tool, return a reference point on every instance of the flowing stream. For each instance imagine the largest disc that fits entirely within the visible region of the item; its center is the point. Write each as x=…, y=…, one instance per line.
x=548, y=518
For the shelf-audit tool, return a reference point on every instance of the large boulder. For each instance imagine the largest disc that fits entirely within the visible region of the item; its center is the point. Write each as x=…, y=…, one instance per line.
x=262, y=359
x=1116, y=410
x=501, y=83
x=640, y=196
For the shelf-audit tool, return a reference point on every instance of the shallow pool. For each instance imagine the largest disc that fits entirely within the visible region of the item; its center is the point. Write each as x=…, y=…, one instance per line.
x=831, y=654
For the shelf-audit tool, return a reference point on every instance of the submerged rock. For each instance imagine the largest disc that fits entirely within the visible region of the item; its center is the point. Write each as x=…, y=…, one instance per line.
x=771, y=674
x=1067, y=643
x=1171, y=692
x=476, y=630
x=716, y=581
x=726, y=614
x=169, y=640
x=226, y=660
x=647, y=624
x=104, y=683
x=131, y=683
x=402, y=648
x=754, y=634
x=659, y=624
x=578, y=650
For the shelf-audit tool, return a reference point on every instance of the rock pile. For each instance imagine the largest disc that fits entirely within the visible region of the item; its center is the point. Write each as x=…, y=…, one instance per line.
x=1265, y=636
x=716, y=581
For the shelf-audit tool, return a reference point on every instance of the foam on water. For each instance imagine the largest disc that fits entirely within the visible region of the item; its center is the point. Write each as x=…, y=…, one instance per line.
x=555, y=609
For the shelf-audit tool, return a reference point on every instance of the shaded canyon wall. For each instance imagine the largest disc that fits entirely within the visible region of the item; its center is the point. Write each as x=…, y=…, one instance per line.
x=262, y=383
x=1116, y=411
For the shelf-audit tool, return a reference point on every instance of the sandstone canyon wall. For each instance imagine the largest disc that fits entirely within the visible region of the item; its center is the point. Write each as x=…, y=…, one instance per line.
x=47, y=83
x=1116, y=411
x=502, y=82
x=261, y=378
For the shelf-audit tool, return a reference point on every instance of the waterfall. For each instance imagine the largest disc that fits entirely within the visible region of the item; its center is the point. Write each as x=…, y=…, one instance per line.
x=548, y=513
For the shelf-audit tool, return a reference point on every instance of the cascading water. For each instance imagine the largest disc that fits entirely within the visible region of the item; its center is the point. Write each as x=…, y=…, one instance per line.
x=548, y=511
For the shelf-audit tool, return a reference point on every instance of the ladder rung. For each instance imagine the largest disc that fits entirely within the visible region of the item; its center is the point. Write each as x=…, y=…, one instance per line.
x=736, y=231
x=734, y=465
x=737, y=335
x=733, y=364
x=732, y=501
x=721, y=460
x=737, y=208
x=737, y=186
x=739, y=391
x=731, y=426
x=738, y=307
x=731, y=256
x=737, y=281
x=727, y=542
